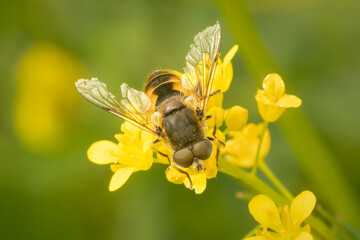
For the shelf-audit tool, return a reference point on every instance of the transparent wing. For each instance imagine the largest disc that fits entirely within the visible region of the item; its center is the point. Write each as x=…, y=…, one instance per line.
x=132, y=107
x=201, y=62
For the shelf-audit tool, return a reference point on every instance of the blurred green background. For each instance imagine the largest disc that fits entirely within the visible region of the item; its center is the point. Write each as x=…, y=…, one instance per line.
x=48, y=188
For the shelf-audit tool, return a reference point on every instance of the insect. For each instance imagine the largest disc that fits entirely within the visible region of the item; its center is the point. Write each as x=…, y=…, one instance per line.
x=173, y=105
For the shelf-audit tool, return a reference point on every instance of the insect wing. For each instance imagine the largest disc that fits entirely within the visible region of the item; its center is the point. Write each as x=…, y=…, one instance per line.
x=135, y=104
x=132, y=107
x=201, y=62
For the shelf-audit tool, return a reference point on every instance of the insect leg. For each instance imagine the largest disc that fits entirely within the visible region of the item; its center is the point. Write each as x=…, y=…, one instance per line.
x=213, y=116
x=183, y=172
x=212, y=94
x=198, y=165
x=217, y=156
x=215, y=128
x=214, y=139
x=167, y=156
x=157, y=151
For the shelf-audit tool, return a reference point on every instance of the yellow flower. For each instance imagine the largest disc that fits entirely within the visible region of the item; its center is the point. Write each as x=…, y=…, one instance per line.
x=272, y=101
x=224, y=71
x=132, y=153
x=241, y=148
x=236, y=118
x=45, y=97
x=198, y=179
x=223, y=78
x=285, y=223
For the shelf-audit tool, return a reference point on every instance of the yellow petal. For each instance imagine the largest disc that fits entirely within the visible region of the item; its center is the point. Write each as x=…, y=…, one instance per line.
x=265, y=212
x=289, y=101
x=161, y=159
x=229, y=56
x=241, y=148
x=236, y=118
x=219, y=113
x=101, y=152
x=241, y=162
x=304, y=236
x=119, y=178
x=146, y=138
x=215, y=100
x=144, y=162
x=274, y=86
x=261, y=98
x=129, y=128
x=199, y=182
x=227, y=77
x=115, y=167
x=302, y=206
x=270, y=113
x=174, y=176
x=224, y=72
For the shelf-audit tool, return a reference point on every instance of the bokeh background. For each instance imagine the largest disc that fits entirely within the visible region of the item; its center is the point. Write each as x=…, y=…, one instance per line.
x=48, y=188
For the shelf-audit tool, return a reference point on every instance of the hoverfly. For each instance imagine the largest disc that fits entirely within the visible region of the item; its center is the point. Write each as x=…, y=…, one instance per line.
x=173, y=105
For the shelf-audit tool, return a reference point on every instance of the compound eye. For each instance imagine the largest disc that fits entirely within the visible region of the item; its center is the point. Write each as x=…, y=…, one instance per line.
x=183, y=157
x=202, y=149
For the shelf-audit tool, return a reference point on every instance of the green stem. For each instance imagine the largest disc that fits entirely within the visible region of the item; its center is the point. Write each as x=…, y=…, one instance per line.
x=252, y=232
x=251, y=182
x=321, y=228
x=347, y=232
x=257, y=157
x=272, y=177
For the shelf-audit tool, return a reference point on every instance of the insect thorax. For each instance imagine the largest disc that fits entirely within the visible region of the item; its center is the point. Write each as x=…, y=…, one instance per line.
x=182, y=127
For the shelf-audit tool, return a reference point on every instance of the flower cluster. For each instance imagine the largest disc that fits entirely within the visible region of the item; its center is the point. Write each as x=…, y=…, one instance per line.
x=272, y=100
x=241, y=148
x=235, y=142
x=191, y=177
x=284, y=223
x=243, y=145
x=134, y=151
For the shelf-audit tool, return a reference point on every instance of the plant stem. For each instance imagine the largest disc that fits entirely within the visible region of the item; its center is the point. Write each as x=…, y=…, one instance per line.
x=251, y=182
x=257, y=157
x=345, y=230
x=252, y=232
x=272, y=177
